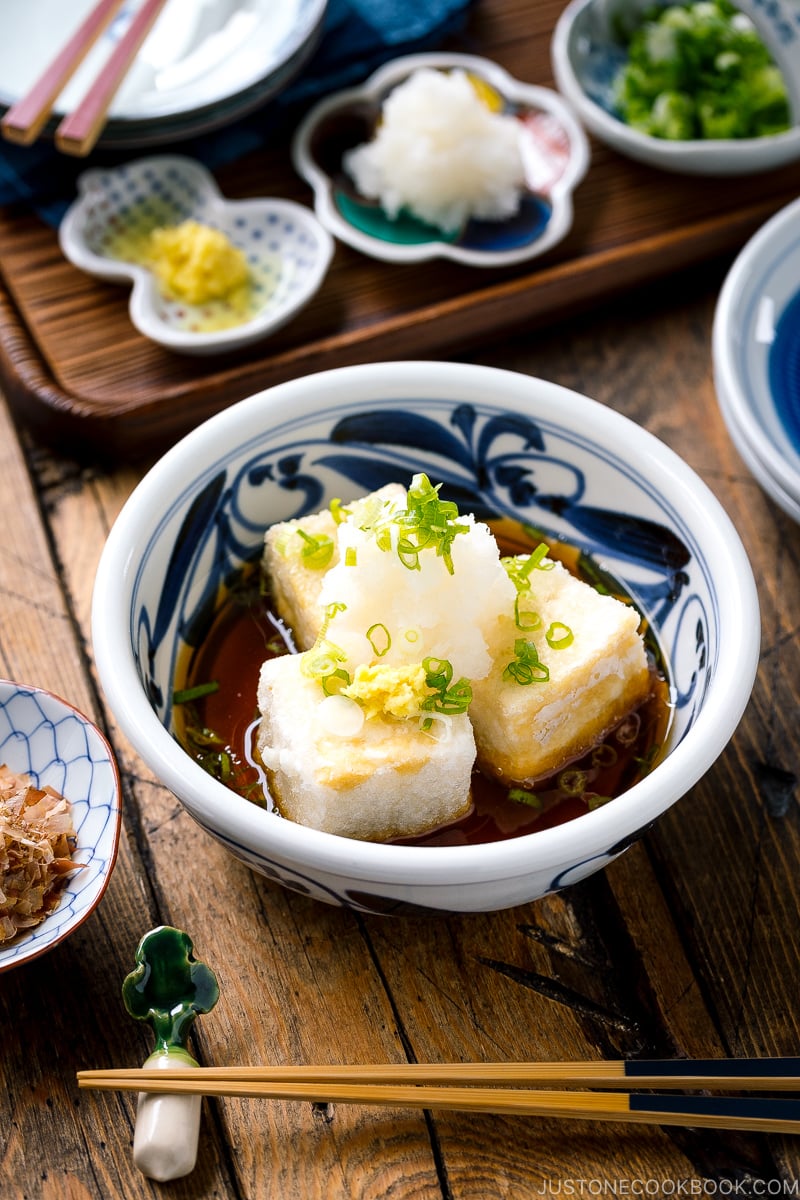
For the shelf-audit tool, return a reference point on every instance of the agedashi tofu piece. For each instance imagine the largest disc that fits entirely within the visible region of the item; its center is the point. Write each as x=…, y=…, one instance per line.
x=297, y=555
x=373, y=778
x=526, y=730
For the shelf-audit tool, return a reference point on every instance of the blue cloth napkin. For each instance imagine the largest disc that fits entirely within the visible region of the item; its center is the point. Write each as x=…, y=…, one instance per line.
x=357, y=37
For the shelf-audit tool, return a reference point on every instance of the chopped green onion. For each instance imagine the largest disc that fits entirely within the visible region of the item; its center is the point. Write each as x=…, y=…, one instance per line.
x=408, y=553
x=338, y=512
x=383, y=539
x=604, y=755
x=572, y=782
x=647, y=761
x=317, y=551
x=519, y=569
x=449, y=698
x=380, y=645
x=593, y=801
x=203, y=738
x=559, y=636
x=323, y=662
x=538, y=560
x=427, y=523
x=322, y=659
x=333, y=683
x=186, y=695
x=523, y=796
x=526, y=667
x=350, y=556
x=438, y=671
x=329, y=613
x=627, y=732
x=525, y=620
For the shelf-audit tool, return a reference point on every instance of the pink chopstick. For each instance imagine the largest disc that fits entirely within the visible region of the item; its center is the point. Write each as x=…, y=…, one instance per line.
x=25, y=120
x=80, y=129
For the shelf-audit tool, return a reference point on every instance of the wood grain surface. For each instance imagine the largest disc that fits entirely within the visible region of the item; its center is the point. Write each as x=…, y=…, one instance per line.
x=686, y=945
x=75, y=369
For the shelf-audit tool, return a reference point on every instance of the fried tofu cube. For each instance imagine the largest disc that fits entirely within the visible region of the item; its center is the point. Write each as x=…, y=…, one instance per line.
x=294, y=577
x=373, y=779
x=524, y=731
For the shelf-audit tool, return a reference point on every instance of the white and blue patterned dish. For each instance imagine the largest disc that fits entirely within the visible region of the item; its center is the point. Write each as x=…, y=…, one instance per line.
x=201, y=66
x=556, y=154
x=288, y=251
x=46, y=738
x=756, y=353
x=502, y=444
x=585, y=57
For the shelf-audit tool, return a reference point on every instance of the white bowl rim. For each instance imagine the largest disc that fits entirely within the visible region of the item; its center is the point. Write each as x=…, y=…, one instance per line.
x=534, y=94
x=693, y=156
x=562, y=845
x=741, y=278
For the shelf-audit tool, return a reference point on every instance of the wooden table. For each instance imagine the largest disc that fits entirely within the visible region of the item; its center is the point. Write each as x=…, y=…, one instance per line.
x=687, y=945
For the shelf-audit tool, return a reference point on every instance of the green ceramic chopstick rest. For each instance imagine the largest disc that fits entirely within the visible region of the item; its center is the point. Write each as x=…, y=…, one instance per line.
x=169, y=987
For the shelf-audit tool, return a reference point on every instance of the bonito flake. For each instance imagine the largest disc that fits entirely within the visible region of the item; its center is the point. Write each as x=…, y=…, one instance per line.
x=37, y=842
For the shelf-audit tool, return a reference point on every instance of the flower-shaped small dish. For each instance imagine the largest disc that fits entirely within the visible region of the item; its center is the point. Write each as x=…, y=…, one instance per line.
x=287, y=251
x=756, y=353
x=586, y=56
x=553, y=147
x=48, y=741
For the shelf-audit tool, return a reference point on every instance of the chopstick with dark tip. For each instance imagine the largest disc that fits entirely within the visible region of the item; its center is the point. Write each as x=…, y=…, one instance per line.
x=753, y=1074
x=80, y=129
x=754, y=1114
x=434, y=1086
x=24, y=120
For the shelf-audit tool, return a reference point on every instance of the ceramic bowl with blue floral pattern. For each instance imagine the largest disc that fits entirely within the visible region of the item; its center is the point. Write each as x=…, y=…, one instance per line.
x=45, y=739
x=502, y=445
x=287, y=250
x=554, y=149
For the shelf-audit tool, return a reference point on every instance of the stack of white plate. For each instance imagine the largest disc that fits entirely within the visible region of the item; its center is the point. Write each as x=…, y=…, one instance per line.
x=204, y=64
x=756, y=350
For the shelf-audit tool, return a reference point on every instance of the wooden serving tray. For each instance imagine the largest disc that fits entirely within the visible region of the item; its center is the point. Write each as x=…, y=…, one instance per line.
x=75, y=369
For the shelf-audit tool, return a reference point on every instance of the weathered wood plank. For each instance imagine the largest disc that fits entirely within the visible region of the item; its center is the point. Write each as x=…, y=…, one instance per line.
x=678, y=948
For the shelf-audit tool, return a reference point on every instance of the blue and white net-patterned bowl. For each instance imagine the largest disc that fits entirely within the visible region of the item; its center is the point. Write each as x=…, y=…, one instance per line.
x=503, y=445
x=287, y=250
x=45, y=738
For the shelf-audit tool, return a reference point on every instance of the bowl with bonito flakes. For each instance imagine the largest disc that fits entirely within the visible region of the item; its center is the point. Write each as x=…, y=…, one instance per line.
x=59, y=820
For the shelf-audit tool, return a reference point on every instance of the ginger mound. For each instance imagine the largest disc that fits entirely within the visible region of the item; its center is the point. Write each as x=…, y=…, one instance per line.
x=197, y=263
x=37, y=841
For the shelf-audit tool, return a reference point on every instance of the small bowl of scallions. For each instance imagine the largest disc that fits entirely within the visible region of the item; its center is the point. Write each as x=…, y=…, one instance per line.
x=702, y=88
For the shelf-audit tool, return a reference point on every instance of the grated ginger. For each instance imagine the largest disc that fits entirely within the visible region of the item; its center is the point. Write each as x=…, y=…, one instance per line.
x=197, y=263
x=37, y=841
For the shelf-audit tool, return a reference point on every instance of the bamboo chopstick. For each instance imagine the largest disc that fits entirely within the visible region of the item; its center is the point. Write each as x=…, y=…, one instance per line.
x=754, y=1074
x=80, y=129
x=25, y=119
x=402, y=1086
x=713, y=1112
